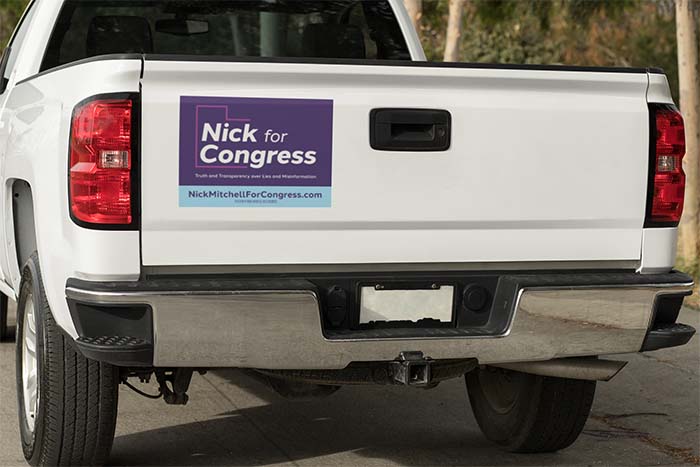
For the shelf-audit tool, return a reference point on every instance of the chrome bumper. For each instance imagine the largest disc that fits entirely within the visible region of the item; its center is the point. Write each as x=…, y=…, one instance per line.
x=281, y=329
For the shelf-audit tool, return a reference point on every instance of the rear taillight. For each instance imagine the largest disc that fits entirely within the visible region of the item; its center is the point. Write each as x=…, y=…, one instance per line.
x=101, y=162
x=666, y=176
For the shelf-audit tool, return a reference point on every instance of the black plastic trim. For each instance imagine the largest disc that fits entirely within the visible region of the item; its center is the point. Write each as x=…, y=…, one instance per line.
x=493, y=320
x=668, y=335
x=667, y=307
x=118, y=334
x=382, y=121
x=135, y=164
x=656, y=70
x=303, y=281
x=191, y=283
x=651, y=170
x=125, y=356
x=604, y=279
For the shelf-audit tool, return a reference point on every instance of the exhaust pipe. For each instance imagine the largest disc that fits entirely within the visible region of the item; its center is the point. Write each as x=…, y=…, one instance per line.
x=587, y=368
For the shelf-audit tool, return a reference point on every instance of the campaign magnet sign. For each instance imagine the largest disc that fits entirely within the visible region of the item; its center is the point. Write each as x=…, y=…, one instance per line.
x=255, y=152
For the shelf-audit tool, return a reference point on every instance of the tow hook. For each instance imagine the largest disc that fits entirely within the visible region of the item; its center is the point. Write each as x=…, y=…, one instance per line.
x=412, y=369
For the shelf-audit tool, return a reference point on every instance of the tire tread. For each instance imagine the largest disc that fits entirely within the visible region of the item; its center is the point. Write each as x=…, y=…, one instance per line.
x=550, y=414
x=4, y=330
x=562, y=412
x=79, y=397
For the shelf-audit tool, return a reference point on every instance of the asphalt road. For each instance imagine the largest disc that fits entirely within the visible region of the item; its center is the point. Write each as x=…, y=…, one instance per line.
x=648, y=415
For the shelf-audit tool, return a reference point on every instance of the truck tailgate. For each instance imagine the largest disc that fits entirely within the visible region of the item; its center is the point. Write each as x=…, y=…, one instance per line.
x=542, y=165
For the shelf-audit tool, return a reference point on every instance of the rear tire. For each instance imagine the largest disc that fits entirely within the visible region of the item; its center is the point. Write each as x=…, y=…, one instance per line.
x=4, y=331
x=67, y=403
x=528, y=413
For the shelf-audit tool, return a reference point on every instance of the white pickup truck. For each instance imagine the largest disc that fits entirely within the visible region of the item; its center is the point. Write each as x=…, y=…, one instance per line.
x=288, y=187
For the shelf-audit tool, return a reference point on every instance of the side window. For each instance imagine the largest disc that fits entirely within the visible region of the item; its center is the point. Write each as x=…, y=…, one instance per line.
x=9, y=56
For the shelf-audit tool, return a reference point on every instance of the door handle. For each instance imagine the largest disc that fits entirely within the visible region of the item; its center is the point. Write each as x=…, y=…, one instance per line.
x=410, y=129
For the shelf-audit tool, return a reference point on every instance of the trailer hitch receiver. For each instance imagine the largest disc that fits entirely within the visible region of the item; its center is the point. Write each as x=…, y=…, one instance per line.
x=412, y=369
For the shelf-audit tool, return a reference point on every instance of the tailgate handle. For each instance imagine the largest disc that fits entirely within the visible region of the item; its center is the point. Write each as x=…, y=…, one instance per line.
x=410, y=129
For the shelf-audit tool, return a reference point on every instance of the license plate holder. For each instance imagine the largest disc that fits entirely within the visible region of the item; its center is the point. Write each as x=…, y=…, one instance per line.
x=394, y=303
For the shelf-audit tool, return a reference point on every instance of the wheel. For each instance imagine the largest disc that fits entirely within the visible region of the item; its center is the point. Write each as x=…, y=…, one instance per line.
x=67, y=403
x=4, y=332
x=528, y=413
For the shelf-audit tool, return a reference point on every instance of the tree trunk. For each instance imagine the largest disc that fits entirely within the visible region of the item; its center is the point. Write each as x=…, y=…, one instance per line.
x=689, y=84
x=415, y=11
x=454, y=31
x=4, y=35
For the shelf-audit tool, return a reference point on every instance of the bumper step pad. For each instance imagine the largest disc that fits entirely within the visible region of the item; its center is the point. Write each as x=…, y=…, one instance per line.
x=117, y=350
x=668, y=335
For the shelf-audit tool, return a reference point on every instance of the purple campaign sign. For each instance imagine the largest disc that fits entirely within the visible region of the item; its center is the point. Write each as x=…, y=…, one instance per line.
x=242, y=141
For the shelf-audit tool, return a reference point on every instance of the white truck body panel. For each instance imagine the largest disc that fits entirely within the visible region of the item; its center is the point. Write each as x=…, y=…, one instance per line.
x=537, y=170
x=66, y=250
x=37, y=116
